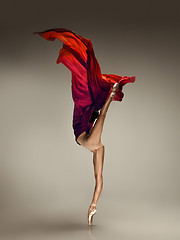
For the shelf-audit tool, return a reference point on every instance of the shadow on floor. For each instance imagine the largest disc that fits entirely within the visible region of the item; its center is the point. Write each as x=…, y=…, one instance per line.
x=52, y=226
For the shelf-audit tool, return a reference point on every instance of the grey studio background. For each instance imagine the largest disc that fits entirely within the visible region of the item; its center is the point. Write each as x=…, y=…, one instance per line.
x=46, y=179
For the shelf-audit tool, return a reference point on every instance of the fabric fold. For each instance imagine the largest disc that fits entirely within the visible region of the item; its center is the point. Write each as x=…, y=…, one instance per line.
x=90, y=88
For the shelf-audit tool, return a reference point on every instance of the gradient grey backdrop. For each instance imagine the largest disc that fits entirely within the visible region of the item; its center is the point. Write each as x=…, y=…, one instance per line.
x=46, y=179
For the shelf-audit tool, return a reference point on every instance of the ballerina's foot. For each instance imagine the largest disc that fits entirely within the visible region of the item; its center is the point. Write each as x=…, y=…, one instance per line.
x=114, y=90
x=92, y=211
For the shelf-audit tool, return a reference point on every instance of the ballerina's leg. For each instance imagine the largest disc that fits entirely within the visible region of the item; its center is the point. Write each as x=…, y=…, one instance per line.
x=96, y=132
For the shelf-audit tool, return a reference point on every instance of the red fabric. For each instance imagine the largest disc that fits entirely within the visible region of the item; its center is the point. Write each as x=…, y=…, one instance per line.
x=90, y=88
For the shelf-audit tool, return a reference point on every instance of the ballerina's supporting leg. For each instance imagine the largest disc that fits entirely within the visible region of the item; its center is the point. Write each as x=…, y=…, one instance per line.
x=98, y=160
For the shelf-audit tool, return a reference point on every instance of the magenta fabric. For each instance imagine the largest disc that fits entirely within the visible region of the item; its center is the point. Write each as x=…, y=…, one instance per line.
x=90, y=88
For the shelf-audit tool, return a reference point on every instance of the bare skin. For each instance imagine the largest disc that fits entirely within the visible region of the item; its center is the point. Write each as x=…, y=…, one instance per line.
x=93, y=143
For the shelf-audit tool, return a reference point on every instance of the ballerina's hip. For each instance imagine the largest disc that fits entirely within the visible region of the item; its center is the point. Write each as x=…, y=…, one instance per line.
x=83, y=140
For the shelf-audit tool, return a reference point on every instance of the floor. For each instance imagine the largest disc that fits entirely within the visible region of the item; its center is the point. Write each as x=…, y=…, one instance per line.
x=125, y=221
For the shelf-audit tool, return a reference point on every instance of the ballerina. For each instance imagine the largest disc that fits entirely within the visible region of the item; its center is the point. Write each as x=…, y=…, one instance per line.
x=92, y=93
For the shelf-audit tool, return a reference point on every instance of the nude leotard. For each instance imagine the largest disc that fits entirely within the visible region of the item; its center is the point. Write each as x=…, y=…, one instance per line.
x=82, y=139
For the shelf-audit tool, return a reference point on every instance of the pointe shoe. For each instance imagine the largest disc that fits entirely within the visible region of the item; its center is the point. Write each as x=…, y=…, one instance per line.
x=114, y=90
x=91, y=214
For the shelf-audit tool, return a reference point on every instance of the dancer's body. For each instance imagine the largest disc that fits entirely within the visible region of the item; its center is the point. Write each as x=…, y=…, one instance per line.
x=91, y=92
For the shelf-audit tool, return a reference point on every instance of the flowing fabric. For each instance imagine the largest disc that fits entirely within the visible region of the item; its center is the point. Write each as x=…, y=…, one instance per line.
x=90, y=88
